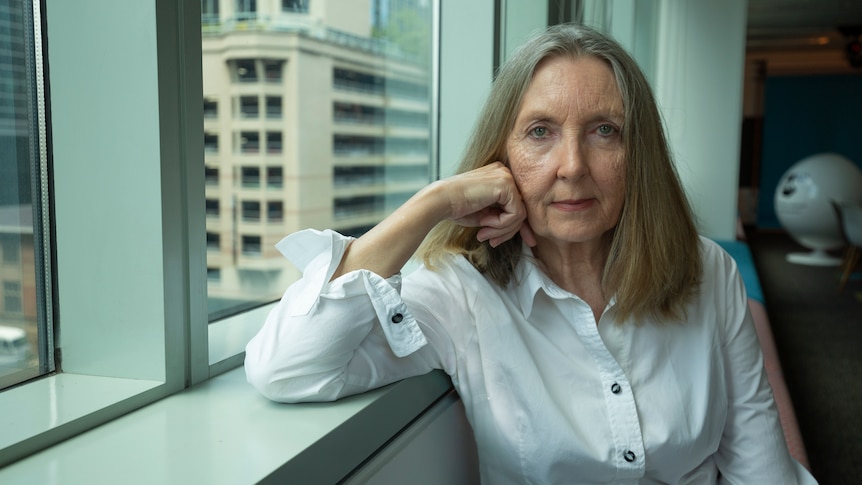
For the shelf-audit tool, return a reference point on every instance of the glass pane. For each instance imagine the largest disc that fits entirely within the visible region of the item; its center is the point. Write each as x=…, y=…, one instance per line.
x=330, y=128
x=24, y=328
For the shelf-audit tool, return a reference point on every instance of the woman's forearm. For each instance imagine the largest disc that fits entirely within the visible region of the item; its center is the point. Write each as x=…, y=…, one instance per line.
x=389, y=245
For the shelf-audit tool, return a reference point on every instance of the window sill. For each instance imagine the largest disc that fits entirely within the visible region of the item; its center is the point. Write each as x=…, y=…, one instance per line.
x=59, y=406
x=222, y=431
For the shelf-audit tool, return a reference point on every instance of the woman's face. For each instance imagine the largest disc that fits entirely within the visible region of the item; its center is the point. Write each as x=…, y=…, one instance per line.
x=566, y=150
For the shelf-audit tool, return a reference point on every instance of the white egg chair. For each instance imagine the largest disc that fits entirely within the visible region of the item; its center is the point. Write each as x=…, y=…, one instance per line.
x=803, y=204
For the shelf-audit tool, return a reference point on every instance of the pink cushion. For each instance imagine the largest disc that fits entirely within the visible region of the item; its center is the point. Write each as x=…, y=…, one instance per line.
x=779, y=388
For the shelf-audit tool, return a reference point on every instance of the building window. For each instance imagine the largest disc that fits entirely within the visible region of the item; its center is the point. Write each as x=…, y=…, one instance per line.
x=212, y=208
x=294, y=6
x=249, y=142
x=250, y=177
x=272, y=71
x=273, y=106
x=10, y=248
x=250, y=211
x=357, y=145
x=245, y=71
x=356, y=113
x=210, y=143
x=273, y=142
x=209, y=7
x=209, y=13
x=213, y=241
x=26, y=293
x=210, y=108
x=249, y=107
x=246, y=9
x=211, y=176
x=348, y=80
x=373, y=85
x=213, y=274
x=275, y=211
x=12, y=297
x=275, y=177
x=251, y=245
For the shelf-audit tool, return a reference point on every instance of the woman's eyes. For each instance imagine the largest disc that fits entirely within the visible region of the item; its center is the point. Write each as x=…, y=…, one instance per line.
x=539, y=132
x=606, y=130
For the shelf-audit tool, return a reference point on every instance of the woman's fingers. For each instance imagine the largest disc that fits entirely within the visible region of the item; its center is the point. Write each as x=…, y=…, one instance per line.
x=488, y=198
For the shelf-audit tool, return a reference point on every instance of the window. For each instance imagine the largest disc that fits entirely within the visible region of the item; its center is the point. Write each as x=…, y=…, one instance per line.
x=248, y=107
x=250, y=211
x=212, y=208
x=357, y=113
x=10, y=248
x=250, y=177
x=273, y=106
x=11, y=298
x=26, y=318
x=328, y=142
x=294, y=6
x=209, y=13
x=275, y=177
x=251, y=245
x=210, y=108
x=249, y=142
x=272, y=70
x=245, y=71
x=159, y=339
x=211, y=176
x=246, y=9
x=210, y=143
x=273, y=142
x=275, y=211
x=213, y=241
x=213, y=275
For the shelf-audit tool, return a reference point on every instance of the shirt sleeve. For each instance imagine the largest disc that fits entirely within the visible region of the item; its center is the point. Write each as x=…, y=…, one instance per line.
x=328, y=339
x=752, y=448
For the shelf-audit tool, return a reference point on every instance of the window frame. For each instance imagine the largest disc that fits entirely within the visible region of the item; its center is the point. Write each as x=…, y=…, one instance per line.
x=161, y=243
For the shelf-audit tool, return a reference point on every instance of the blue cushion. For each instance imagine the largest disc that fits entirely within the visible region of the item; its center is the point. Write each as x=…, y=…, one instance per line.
x=742, y=254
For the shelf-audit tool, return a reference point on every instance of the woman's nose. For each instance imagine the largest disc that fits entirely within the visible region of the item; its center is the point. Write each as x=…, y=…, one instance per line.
x=571, y=159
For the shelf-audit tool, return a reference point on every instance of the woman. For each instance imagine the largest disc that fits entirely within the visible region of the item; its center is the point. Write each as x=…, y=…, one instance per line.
x=592, y=335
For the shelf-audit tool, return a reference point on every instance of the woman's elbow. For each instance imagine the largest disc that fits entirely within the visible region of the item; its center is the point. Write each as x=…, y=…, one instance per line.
x=281, y=385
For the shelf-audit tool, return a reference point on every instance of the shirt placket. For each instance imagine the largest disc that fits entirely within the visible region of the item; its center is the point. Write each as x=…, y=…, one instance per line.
x=628, y=455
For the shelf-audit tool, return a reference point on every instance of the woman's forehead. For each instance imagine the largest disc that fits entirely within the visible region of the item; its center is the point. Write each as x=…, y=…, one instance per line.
x=584, y=83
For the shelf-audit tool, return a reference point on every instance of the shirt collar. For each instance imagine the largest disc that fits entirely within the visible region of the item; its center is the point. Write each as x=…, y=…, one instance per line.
x=529, y=279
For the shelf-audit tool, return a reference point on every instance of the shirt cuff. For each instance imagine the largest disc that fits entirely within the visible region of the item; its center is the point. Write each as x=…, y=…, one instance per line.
x=400, y=328
x=317, y=254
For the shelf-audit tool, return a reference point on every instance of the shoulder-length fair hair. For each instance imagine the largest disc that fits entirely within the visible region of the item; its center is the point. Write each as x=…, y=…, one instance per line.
x=653, y=258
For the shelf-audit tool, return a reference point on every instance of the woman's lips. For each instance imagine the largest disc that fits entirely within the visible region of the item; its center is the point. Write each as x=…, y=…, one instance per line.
x=573, y=205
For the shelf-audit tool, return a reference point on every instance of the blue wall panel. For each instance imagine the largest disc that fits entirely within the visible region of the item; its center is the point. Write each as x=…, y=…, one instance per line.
x=804, y=115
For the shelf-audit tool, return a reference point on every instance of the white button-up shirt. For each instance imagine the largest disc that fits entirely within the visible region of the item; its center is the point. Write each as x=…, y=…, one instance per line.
x=552, y=395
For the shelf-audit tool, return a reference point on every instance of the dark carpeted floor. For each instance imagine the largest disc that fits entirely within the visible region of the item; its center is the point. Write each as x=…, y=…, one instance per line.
x=818, y=333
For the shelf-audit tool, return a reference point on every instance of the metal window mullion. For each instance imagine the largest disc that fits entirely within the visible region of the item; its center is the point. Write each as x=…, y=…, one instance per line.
x=41, y=183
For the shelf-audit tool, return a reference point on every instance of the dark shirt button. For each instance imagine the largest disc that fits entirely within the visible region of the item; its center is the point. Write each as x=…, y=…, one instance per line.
x=629, y=456
x=615, y=388
x=397, y=318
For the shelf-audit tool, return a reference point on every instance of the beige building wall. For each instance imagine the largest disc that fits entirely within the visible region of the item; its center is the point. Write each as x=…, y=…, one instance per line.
x=305, y=65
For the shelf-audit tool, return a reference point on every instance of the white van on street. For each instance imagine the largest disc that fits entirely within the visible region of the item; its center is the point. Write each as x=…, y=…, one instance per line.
x=14, y=348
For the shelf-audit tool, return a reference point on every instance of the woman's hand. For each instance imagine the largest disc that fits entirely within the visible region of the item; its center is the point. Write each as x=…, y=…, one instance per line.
x=488, y=198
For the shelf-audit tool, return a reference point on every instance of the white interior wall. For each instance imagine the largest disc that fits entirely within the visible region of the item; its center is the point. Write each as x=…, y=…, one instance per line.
x=699, y=67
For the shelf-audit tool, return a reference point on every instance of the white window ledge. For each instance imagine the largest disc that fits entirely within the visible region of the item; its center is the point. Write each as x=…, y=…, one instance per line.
x=63, y=405
x=223, y=432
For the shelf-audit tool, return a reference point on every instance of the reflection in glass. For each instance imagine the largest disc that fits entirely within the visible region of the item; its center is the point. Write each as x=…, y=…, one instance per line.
x=331, y=128
x=25, y=329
